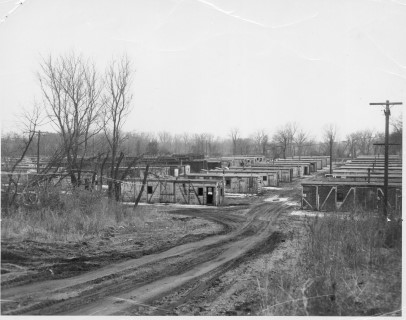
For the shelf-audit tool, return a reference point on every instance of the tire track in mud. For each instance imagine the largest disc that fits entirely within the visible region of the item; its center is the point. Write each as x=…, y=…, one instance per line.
x=198, y=286
x=159, y=275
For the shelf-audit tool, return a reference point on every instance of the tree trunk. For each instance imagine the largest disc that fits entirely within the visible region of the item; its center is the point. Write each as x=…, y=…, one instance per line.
x=144, y=181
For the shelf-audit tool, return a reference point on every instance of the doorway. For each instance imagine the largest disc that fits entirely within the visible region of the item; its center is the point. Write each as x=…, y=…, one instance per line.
x=210, y=191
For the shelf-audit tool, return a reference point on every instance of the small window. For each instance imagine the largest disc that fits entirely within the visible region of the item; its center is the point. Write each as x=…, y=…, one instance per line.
x=221, y=191
x=200, y=191
x=149, y=189
x=228, y=182
x=265, y=178
x=340, y=197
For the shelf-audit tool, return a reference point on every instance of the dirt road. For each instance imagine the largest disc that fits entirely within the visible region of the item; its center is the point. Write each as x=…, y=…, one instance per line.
x=162, y=282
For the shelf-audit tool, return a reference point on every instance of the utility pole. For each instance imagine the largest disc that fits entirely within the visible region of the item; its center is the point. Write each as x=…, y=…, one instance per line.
x=387, y=105
x=331, y=154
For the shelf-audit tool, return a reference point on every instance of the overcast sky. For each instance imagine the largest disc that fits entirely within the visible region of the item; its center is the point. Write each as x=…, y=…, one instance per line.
x=210, y=65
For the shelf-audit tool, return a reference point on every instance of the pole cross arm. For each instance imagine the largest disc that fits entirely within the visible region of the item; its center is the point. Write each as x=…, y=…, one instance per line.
x=384, y=103
x=389, y=144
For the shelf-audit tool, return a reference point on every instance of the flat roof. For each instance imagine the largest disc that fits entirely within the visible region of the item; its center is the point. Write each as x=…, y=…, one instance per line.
x=350, y=183
x=242, y=171
x=262, y=168
x=220, y=174
x=203, y=181
x=373, y=175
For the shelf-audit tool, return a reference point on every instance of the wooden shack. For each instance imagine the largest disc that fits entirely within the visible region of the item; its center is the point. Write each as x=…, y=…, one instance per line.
x=347, y=196
x=269, y=178
x=248, y=183
x=241, y=161
x=183, y=191
x=285, y=173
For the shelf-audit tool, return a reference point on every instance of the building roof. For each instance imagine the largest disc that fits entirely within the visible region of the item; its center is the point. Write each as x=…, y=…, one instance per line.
x=194, y=181
x=220, y=174
x=348, y=183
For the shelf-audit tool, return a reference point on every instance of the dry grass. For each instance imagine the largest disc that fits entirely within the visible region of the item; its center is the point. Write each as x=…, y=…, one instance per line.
x=350, y=265
x=71, y=217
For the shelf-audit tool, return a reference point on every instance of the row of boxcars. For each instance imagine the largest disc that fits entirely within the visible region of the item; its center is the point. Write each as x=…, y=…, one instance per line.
x=357, y=184
x=215, y=179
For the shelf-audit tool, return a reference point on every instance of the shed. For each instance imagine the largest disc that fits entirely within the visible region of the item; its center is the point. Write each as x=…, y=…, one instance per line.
x=184, y=191
x=347, y=196
x=249, y=183
x=269, y=178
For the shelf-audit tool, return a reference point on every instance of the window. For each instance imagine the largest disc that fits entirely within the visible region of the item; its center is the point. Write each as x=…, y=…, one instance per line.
x=340, y=197
x=265, y=178
x=149, y=189
x=199, y=191
x=228, y=182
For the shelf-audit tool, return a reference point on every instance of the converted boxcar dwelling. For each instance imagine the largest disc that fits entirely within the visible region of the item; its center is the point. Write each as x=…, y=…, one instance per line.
x=183, y=191
x=347, y=196
x=285, y=173
x=303, y=167
x=234, y=182
x=241, y=161
x=269, y=178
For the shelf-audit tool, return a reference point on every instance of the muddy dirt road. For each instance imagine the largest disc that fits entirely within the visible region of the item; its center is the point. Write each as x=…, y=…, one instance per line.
x=162, y=283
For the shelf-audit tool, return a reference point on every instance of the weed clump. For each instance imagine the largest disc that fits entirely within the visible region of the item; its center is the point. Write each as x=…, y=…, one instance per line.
x=347, y=254
x=71, y=216
x=349, y=265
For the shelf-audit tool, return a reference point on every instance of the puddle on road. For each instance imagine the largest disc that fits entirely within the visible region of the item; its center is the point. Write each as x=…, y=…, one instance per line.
x=239, y=195
x=172, y=205
x=277, y=199
x=303, y=213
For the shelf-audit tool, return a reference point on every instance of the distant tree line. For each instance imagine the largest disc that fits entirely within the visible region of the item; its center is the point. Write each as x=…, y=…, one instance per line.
x=287, y=141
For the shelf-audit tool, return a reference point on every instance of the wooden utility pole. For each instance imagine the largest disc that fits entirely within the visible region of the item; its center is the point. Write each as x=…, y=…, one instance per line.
x=387, y=105
x=331, y=154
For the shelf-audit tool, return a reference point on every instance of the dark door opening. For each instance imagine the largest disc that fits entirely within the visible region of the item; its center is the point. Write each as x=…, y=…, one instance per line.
x=305, y=171
x=210, y=191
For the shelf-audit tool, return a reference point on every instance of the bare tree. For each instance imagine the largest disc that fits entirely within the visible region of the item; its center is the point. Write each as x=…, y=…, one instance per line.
x=397, y=124
x=31, y=120
x=397, y=135
x=235, y=136
x=177, y=143
x=352, y=144
x=199, y=143
x=261, y=140
x=281, y=139
x=284, y=138
x=165, y=141
x=365, y=139
x=186, y=140
x=300, y=139
x=117, y=101
x=330, y=133
x=71, y=91
x=244, y=145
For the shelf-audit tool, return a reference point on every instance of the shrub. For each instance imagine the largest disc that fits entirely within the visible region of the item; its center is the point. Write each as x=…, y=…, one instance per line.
x=70, y=216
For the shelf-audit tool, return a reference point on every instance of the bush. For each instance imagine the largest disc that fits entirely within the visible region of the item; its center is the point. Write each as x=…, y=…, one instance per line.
x=71, y=216
x=344, y=250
